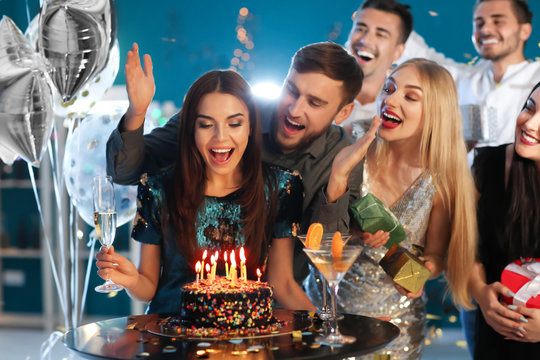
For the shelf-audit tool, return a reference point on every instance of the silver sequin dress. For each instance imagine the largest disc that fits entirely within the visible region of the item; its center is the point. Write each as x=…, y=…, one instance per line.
x=367, y=290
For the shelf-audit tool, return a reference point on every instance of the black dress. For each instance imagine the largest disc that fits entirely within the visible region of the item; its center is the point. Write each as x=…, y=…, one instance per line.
x=489, y=173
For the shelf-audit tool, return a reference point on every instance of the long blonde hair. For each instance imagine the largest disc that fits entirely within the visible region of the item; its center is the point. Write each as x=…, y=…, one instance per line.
x=444, y=155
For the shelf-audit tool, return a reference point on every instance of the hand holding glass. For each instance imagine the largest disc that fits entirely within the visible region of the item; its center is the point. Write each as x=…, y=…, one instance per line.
x=105, y=221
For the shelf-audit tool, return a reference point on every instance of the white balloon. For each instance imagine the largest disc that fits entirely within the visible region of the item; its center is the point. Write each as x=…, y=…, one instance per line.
x=84, y=158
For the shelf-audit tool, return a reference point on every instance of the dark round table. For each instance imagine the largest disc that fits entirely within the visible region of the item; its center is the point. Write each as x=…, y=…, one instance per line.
x=134, y=337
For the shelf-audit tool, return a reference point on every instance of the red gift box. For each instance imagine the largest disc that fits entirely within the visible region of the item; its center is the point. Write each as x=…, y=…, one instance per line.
x=522, y=277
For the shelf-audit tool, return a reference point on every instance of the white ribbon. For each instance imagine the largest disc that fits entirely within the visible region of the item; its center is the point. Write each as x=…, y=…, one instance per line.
x=530, y=270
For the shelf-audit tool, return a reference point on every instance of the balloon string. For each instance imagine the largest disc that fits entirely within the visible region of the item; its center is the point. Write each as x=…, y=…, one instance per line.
x=48, y=345
x=61, y=235
x=91, y=244
x=47, y=242
x=74, y=273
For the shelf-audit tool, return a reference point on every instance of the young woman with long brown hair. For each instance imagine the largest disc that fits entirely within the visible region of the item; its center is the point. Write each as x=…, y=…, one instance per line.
x=218, y=196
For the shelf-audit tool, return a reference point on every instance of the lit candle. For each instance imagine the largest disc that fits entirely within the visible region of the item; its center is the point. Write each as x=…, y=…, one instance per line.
x=216, y=258
x=243, y=273
x=208, y=271
x=233, y=269
x=259, y=275
x=226, y=265
x=213, y=268
x=205, y=253
x=198, y=269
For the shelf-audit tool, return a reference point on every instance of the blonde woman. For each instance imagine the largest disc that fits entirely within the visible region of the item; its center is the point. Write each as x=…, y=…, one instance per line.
x=417, y=166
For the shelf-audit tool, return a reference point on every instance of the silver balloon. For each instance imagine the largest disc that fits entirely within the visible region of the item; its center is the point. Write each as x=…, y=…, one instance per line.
x=26, y=112
x=92, y=91
x=84, y=158
x=74, y=40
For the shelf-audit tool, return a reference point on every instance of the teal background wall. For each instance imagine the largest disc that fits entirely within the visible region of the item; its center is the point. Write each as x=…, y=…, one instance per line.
x=188, y=38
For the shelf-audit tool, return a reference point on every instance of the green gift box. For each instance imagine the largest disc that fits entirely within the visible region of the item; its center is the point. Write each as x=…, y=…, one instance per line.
x=405, y=268
x=372, y=215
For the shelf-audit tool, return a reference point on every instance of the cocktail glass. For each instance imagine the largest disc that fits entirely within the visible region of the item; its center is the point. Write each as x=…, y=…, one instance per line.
x=326, y=313
x=333, y=269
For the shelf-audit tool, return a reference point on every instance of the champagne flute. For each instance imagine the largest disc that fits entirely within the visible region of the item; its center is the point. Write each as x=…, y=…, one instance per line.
x=325, y=313
x=105, y=221
x=333, y=269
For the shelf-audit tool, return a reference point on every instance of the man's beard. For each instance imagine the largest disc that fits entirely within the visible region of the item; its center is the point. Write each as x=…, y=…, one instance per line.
x=304, y=142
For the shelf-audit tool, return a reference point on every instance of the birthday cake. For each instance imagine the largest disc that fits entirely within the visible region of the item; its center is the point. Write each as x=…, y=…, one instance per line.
x=225, y=306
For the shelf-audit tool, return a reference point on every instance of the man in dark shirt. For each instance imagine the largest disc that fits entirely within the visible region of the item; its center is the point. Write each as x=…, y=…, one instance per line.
x=298, y=134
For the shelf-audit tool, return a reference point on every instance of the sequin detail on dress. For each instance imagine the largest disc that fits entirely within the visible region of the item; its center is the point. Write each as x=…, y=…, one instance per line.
x=367, y=290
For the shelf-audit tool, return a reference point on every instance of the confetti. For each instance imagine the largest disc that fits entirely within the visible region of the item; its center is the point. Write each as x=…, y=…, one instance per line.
x=433, y=13
x=296, y=335
x=239, y=353
x=169, y=349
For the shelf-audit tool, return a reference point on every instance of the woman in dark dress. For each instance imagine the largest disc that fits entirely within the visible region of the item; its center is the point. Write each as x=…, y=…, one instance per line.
x=218, y=196
x=508, y=182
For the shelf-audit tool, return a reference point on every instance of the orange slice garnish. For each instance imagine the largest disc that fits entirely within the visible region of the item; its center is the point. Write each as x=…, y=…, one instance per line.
x=314, y=236
x=337, y=245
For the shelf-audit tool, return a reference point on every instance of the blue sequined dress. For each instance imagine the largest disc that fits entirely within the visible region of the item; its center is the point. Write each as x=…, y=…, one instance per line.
x=367, y=290
x=218, y=225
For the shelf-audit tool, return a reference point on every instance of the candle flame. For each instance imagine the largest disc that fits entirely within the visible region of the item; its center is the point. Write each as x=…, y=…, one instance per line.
x=233, y=260
x=259, y=272
x=198, y=266
x=212, y=259
x=207, y=267
x=205, y=253
x=216, y=255
x=225, y=256
x=242, y=255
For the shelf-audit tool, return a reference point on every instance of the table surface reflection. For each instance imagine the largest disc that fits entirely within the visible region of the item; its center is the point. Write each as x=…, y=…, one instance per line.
x=130, y=337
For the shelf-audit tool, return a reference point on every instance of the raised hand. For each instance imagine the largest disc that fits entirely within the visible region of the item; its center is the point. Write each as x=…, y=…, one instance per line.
x=140, y=87
x=347, y=159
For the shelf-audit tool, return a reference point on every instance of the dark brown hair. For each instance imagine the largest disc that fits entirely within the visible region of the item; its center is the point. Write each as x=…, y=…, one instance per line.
x=187, y=188
x=520, y=7
x=333, y=61
x=396, y=8
x=522, y=220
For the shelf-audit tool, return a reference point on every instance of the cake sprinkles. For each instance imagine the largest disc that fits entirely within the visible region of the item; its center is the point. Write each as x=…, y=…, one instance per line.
x=219, y=307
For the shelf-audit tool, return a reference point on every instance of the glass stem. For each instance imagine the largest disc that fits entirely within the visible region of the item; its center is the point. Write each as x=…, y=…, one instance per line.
x=324, y=296
x=334, y=289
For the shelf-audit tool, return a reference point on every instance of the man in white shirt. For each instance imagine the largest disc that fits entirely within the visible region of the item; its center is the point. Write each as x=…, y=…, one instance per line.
x=377, y=40
x=500, y=82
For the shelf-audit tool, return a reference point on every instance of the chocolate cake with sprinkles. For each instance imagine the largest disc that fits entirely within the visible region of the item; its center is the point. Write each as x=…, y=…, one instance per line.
x=226, y=307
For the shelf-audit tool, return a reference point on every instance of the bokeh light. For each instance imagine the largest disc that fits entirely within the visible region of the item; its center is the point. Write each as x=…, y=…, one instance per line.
x=266, y=90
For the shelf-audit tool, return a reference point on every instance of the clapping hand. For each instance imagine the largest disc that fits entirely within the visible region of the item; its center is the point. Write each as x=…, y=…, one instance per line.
x=346, y=160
